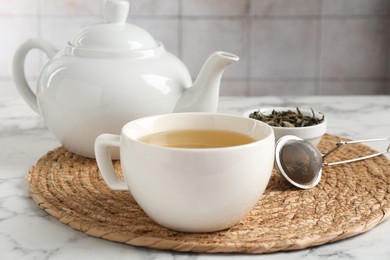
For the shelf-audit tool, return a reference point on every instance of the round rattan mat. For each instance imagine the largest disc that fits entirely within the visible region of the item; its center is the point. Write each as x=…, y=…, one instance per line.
x=349, y=200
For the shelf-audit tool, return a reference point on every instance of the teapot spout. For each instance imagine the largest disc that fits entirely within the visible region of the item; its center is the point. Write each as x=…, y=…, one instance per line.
x=203, y=95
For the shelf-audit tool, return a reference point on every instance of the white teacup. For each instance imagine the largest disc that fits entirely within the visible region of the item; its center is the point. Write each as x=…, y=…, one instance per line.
x=190, y=189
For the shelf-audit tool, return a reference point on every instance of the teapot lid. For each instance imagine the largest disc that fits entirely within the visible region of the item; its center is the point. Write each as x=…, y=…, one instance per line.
x=115, y=36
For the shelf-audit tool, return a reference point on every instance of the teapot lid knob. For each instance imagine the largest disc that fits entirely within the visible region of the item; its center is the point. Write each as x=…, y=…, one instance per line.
x=116, y=11
x=115, y=37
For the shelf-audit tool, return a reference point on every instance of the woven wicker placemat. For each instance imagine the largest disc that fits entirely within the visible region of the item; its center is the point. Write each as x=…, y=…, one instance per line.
x=349, y=200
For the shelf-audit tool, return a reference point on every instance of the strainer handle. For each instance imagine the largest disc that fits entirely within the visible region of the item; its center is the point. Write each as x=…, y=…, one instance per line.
x=342, y=143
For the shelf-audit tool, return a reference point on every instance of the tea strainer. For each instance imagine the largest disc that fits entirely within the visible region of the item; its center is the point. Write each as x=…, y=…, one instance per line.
x=301, y=163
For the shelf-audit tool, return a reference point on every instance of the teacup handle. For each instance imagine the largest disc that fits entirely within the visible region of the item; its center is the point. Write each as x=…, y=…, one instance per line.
x=103, y=143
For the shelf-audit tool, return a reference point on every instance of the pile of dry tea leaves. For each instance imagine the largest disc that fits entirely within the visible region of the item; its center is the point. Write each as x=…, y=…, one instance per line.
x=287, y=118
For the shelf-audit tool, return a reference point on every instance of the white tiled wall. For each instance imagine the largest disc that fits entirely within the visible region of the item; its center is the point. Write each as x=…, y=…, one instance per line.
x=287, y=47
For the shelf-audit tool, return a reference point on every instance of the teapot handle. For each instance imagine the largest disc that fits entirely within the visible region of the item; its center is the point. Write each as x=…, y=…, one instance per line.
x=18, y=68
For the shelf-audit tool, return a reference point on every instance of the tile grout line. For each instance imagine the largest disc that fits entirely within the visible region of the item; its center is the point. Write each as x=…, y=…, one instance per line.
x=249, y=49
x=270, y=80
x=39, y=28
x=180, y=29
x=318, y=58
x=206, y=17
x=387, y=72
x=325, y=79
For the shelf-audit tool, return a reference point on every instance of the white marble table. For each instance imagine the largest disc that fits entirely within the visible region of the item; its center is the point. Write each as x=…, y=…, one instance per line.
x=27, y=232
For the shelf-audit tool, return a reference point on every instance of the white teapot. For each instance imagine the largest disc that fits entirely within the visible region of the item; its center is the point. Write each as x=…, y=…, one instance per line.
x=112, y=73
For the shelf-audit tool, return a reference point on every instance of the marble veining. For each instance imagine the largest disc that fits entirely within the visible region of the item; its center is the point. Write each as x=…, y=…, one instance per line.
x=27, y=232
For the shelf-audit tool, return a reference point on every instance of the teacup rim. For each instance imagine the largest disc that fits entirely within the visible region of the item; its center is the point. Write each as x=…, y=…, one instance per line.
x=269, y=134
